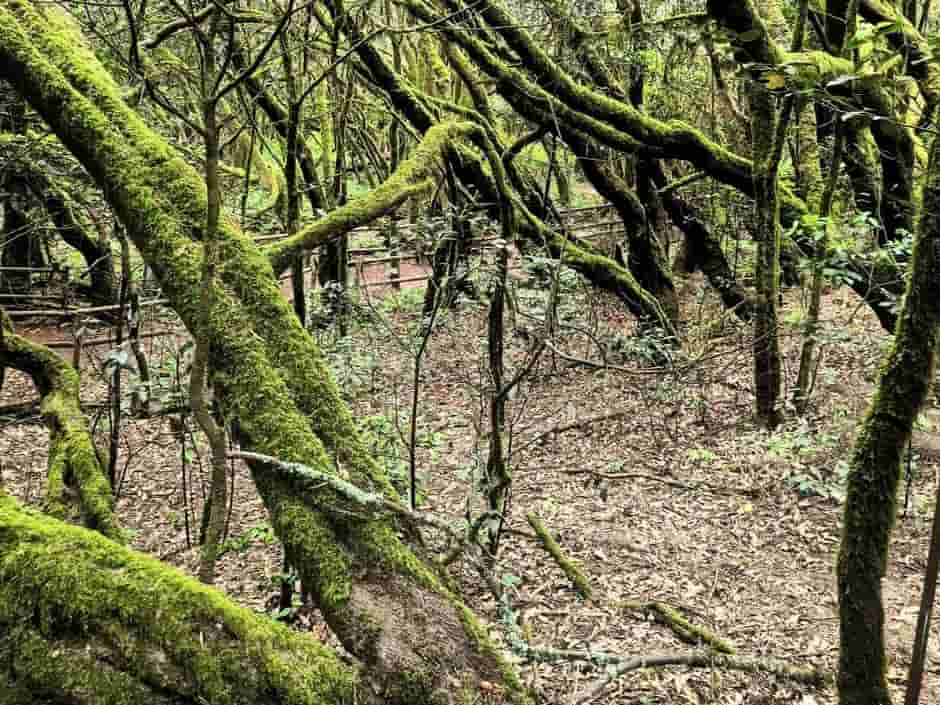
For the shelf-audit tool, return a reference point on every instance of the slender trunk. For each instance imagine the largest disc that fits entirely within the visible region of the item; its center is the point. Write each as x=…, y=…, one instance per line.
x=808, y=360
x=875, y=466
x=218, y=490
x=922, y=632
x=767, y=366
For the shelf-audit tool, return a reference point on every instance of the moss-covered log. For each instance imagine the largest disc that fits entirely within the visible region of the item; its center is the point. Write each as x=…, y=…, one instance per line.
x=86, y=621
x=73, y=459
x=875, y=467
x=385, y=603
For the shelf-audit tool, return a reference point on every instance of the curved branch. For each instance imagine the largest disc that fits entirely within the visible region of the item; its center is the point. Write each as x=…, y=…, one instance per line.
x=72, y=455
x=412, y=177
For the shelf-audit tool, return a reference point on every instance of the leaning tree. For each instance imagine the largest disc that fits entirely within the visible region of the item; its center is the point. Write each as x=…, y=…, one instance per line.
x=96, y=627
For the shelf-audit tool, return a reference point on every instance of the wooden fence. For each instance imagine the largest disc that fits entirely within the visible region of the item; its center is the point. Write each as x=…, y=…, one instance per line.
x=405, y=247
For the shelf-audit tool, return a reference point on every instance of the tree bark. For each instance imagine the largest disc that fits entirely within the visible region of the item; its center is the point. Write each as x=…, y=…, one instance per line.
x=870, y=505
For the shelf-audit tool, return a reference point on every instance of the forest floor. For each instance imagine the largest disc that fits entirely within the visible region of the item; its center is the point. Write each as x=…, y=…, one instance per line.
x=655, y=481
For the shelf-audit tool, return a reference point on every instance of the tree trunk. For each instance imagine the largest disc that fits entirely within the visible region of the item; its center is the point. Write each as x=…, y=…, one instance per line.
x=767, y=366
x=86, y=621
x=387, y=604
x=876, y=464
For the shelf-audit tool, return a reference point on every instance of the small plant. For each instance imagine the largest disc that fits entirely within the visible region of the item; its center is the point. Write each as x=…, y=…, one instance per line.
x=813, y=482
x=409, y=300
x=386, y=445
x=260, y=533
x=702, y=455
x=650, y=348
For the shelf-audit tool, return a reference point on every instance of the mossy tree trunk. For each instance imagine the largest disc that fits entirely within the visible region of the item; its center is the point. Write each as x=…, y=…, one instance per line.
x=876, y=464
x=385, y=602
x=767, y=365
x=85, y=621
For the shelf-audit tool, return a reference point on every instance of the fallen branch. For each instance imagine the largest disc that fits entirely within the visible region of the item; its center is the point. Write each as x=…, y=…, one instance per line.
x=680, y=626
x=571, y=571
x=705, y=659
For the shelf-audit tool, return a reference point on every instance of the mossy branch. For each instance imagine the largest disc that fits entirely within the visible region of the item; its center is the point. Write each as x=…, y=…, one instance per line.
x=413, y=177
x=72, y=455
x=680, y=626
x=25, y=156
x=85, y=620
x=571, y=571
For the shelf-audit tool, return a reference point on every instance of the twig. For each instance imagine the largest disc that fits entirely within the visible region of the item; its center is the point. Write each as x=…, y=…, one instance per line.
x=705, y=659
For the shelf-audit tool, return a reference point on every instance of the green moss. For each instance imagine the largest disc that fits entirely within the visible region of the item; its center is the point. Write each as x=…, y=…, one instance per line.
x=72, y=457
x=72, y=589
x=410, y=179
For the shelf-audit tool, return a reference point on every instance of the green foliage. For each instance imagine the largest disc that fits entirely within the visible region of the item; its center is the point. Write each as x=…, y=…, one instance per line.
x=807, y=456
x=353, y=366
x=387, y=445
x=409, y=300
x=814, y=482
x=702, y=455
x=260, y=533
x=649, y=348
